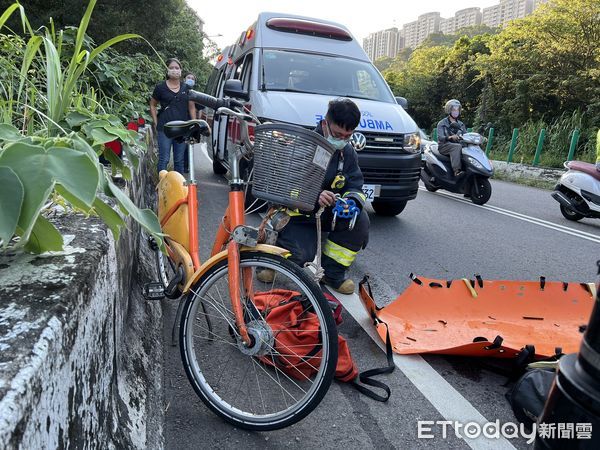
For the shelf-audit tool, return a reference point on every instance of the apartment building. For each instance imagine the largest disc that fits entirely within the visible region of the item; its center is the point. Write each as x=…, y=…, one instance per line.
x=417, y=31
x=464, y=18
x=389, y=42
x=382, y=44
x=499, y=15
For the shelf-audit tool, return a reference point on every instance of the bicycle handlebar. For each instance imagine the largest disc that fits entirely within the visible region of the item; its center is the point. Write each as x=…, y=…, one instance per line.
x=224, y=106
x=209, y=100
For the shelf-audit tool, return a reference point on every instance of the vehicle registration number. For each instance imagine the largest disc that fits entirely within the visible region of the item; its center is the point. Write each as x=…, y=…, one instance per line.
x=371, y=191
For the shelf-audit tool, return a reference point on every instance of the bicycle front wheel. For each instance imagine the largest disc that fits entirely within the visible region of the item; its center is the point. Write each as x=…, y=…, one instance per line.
x=246, y=386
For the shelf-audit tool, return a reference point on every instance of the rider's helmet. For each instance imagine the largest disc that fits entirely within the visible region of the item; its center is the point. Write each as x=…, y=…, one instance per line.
x=452, y=104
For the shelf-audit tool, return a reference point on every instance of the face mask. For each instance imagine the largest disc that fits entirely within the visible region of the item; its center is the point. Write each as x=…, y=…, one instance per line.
x=337, y=143
x=454, y=114
x=190, y=82
x=174, y=73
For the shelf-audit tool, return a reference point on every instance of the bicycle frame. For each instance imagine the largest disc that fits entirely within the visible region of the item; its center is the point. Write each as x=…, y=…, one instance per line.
x=186, y=254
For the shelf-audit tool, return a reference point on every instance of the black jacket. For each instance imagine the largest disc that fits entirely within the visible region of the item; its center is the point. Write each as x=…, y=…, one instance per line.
x=349, y=169
x=446, y=128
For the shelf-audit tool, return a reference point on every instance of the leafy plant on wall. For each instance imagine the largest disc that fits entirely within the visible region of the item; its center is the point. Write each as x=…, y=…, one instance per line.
x=62, y=131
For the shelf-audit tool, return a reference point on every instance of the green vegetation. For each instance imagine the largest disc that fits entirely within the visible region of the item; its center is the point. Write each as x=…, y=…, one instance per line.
x=171, y=27
x=542, y=71
x=55, y=122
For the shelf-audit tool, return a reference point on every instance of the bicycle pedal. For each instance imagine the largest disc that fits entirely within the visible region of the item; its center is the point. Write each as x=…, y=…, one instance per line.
x=153, y=291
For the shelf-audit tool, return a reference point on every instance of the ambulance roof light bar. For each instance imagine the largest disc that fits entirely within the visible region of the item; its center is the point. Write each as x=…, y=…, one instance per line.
x=309, y=27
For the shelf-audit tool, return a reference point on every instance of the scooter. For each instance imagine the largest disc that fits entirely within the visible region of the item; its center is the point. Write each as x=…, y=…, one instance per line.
x=474, y=182
x=578, y=191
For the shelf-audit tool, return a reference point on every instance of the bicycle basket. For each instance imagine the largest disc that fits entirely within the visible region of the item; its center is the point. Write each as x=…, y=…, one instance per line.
x=289, y=165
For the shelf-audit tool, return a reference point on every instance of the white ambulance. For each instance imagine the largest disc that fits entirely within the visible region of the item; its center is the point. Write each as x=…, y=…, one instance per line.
x=290, y=67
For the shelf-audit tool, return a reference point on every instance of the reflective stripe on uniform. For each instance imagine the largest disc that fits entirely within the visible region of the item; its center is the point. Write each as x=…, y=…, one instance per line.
x=338, y=253
x=356, y=194
x=295, y=212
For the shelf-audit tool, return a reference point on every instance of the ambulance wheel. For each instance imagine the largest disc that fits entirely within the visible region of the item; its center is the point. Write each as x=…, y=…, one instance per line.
x=389, y=208
x=218, y=168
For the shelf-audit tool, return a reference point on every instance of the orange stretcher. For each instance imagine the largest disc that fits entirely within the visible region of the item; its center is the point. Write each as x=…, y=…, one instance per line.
x=476, y=317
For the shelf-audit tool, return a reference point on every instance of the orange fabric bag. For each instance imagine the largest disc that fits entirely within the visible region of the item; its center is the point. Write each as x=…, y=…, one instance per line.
x=297, y=335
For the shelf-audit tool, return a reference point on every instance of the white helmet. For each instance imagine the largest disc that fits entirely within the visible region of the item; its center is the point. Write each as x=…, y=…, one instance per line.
x=452, y=104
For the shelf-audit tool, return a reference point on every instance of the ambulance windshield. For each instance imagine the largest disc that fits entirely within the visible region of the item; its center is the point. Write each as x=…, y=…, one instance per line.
x=320, y=74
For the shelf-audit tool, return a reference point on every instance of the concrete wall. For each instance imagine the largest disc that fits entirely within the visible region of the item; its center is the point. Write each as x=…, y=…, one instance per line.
x=80, y=349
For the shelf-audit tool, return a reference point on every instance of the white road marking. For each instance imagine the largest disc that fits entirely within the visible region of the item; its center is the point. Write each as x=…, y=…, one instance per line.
x=441, y=394
x=525, y=218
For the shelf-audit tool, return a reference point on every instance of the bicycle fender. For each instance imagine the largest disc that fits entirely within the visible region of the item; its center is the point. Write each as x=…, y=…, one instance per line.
x=260, y=248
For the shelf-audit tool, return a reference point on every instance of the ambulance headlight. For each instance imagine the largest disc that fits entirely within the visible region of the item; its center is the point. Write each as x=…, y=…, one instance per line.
x=412, y=142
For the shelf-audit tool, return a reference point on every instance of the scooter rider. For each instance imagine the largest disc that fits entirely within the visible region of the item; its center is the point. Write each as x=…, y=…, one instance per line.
x=447, y=135
x=344, y=178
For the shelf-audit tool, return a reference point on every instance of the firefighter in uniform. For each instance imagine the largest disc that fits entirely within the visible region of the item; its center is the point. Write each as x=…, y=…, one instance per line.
x=343, y=177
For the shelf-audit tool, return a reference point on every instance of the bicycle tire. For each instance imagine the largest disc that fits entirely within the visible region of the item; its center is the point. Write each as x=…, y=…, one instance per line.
x=206, y=353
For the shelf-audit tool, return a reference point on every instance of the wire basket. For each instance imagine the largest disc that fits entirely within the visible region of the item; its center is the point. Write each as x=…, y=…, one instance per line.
x=289, y=165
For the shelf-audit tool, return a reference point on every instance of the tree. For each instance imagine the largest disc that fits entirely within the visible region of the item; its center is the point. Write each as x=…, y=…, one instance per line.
x=545, y=64
x=420, y=83
x=170, y=27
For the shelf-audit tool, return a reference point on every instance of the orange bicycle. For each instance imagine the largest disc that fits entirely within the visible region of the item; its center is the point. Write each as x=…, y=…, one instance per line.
x=229, y=351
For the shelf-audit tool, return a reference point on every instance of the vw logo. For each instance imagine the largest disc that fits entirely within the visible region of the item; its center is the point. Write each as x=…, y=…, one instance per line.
x=359, y=141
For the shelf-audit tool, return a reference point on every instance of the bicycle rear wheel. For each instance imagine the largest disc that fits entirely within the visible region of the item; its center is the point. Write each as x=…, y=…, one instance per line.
x=245, y=386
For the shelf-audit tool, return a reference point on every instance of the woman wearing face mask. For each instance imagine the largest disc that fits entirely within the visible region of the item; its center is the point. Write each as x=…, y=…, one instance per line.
x=342, y=177
x=172, y=95
x=448, y=131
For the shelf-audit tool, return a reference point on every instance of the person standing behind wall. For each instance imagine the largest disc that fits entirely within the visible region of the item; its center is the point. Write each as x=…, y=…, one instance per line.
x=190, y=81
x=172, y=95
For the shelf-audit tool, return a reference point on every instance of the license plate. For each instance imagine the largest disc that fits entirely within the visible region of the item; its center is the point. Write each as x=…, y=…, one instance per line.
x=371, y=191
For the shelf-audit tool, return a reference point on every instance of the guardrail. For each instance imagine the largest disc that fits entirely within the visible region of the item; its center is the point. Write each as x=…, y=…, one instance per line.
x=494, y=146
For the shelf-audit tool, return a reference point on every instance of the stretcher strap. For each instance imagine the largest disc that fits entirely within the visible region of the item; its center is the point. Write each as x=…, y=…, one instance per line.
x=366, y=377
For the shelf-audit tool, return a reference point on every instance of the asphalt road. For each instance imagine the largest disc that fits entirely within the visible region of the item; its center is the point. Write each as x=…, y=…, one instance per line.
x=519, y=235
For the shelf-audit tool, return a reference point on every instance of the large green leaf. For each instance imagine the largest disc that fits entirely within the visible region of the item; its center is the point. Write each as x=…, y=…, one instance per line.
x=75, y=118
x=101, y=136
x=11, y=9
x=44, y=237
x=39, y=170
x=31, y=50
x=122, y=133
x=145, y=217
x=110, y=217
x=27, y=161
x=75, y=171
x=9, y=133
x=11, y=199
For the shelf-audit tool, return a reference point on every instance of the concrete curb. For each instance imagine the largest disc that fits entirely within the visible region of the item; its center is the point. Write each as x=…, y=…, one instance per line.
x=516, y=172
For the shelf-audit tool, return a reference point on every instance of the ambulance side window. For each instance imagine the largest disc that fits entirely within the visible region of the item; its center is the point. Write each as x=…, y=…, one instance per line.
x=243, y=72
x=221, y=81
x=211, y=84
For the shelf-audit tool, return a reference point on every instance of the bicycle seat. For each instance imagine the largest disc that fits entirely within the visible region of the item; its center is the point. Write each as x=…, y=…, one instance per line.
x=186, y=129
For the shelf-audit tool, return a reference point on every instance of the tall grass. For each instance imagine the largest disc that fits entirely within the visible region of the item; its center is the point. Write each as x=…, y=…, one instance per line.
x=556, y=143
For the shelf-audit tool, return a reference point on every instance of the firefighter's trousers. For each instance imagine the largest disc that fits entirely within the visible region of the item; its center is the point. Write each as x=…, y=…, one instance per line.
x=339, y=248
